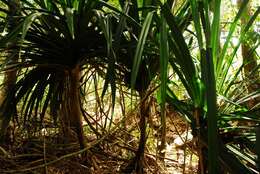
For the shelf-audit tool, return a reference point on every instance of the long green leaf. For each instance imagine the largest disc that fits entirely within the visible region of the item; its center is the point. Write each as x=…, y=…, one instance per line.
x=215, y=27
x=164, y=59
x=233, y=26
x=183, y=57
x=211, y=113
x=69, y=13
x=140, y=48
x=28, y=21
x=196, y=20
x=224, y=72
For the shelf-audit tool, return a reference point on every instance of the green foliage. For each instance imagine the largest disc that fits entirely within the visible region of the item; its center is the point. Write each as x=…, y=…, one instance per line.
x=133, y=44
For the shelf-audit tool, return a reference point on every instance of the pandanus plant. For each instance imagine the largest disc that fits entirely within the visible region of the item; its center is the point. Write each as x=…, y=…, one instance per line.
x=205, y=83
x=213, y=78
x=55, y=39
x=150, y=59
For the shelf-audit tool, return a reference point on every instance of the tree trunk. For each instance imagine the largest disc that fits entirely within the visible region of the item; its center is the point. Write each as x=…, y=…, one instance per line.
x=70, y=109
x=162, y=145
x=144, y=114
x=137, y=164
x=9, y=76
x=198, y=139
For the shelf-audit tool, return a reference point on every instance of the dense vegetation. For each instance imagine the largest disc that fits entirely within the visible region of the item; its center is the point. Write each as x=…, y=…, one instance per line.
x=106, y=81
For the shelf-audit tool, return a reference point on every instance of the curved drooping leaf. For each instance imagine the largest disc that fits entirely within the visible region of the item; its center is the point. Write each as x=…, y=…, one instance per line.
x=140, y=47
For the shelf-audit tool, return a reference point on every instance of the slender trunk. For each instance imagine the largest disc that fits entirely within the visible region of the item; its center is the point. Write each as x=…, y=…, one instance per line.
x=137, y=162
x=12, y=50
x=162, y=145
x=9, y=82
x=71, y=113
x=75, y=116
x=202, y=162
x=144, y=114
x=10, y=76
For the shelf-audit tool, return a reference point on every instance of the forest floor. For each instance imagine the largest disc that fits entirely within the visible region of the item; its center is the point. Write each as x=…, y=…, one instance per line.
x=49, y=154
